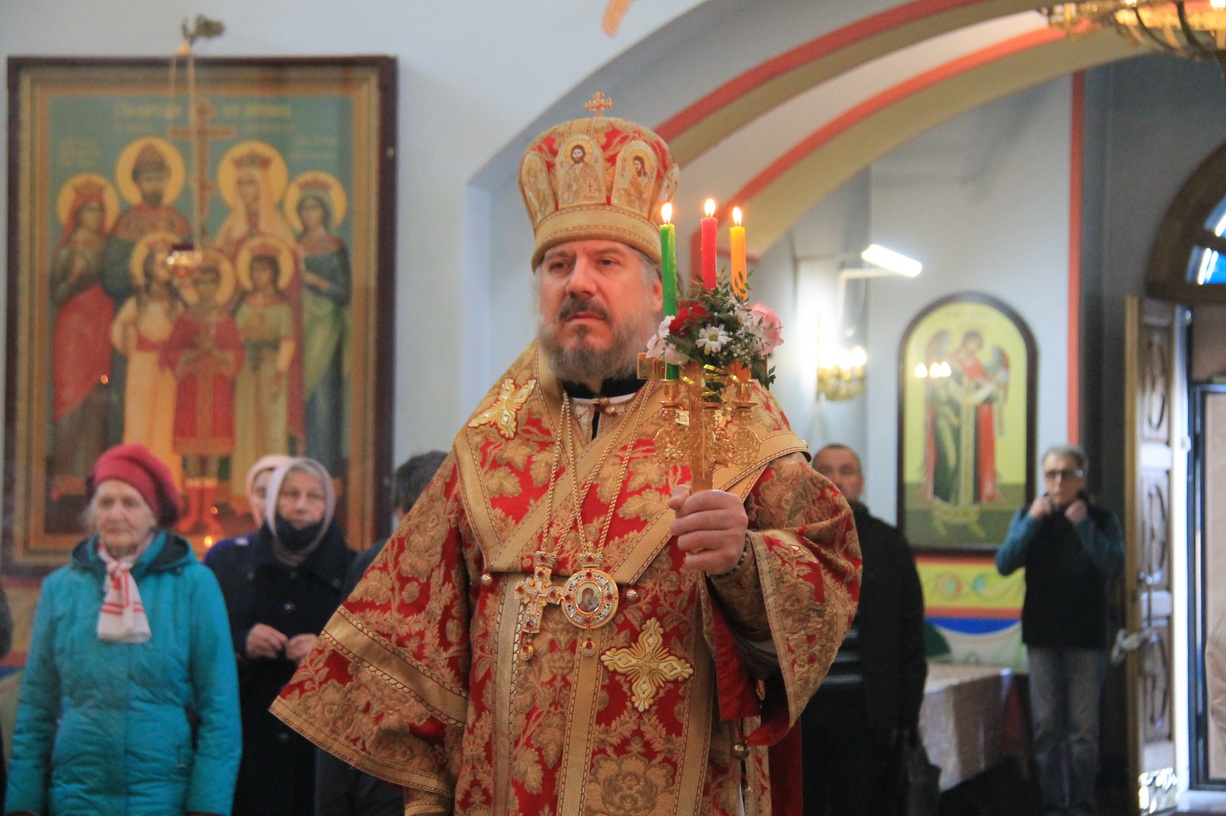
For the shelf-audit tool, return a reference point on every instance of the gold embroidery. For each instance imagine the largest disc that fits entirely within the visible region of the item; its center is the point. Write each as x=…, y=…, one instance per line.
x=648, y=665
x=633, y=784
x=502, y=414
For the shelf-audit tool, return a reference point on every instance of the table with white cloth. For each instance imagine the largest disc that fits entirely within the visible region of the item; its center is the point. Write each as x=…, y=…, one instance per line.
x=970, y=719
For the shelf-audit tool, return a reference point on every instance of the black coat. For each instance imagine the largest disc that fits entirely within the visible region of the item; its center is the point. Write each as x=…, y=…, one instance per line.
x=277, y=772
x=890, y=619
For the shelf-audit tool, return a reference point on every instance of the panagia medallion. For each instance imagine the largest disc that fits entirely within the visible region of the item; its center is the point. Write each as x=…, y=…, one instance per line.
x=589, y=598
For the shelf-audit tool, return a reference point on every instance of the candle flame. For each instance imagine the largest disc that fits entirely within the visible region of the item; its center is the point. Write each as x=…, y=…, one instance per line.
x=709, y=207
x=736, y=216
x=666, y=212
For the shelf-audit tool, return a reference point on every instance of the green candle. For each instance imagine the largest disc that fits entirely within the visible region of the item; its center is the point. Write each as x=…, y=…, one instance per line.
x=668, y=272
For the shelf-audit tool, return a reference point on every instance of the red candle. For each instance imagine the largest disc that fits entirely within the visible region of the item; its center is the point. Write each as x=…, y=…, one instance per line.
x=707, y=254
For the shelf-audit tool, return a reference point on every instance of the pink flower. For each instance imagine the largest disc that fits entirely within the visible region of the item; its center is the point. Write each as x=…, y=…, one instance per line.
x=659, y=345
x=770, y=327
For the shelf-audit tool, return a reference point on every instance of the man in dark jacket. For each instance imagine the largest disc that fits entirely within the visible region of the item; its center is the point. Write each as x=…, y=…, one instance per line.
x=871, y=698
x=1072, y=550
x=409, y=480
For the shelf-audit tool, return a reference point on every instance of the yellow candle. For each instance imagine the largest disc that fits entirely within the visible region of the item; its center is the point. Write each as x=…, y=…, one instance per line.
x=736, y=241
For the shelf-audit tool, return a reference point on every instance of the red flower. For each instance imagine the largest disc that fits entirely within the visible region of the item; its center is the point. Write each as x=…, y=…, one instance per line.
x=689, y=311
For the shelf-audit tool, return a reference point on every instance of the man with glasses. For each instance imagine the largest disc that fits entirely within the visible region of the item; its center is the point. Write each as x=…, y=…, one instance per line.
x=1072, y=550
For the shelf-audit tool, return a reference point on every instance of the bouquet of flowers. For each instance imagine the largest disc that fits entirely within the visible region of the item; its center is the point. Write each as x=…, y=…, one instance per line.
x=718, y=330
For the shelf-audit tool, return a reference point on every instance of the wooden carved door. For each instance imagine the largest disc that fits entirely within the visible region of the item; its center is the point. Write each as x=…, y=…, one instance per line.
x=1155, y=383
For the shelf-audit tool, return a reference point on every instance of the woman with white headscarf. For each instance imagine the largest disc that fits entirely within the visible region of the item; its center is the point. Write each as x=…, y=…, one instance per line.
x=280, y=590
x=256, y=491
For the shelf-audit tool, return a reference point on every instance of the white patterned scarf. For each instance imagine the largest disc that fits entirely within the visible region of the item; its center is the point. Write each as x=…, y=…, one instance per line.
x=122, y=619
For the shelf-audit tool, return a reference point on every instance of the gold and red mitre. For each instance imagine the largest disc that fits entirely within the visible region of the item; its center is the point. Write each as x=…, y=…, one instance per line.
x=597, y=178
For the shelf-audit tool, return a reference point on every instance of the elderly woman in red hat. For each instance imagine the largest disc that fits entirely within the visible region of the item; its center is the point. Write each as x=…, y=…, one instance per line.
x=129, y=703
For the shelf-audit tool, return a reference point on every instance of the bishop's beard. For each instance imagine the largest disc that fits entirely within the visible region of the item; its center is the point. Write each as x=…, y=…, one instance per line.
x=581, y=362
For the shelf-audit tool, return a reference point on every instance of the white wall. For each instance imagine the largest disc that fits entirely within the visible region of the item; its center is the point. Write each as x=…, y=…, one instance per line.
x=969, y=201
x=472, y=75
x=966, y=200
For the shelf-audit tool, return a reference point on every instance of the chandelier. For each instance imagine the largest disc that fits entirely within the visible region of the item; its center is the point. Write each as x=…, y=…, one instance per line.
x=1192, y=30
x=840, y=373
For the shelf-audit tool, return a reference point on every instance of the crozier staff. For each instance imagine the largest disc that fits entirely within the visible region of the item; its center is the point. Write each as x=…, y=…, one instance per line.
x=548, y=628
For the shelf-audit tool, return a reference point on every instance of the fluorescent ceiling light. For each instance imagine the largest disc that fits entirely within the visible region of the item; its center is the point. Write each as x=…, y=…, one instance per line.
x=891, y=260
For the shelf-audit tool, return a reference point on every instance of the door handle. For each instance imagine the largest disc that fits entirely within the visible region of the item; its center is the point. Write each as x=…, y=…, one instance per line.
x=1126, y=642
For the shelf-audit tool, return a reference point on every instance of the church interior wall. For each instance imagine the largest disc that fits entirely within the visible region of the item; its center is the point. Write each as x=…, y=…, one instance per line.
x=461, y=237
x=966, y=200
x=983, y=199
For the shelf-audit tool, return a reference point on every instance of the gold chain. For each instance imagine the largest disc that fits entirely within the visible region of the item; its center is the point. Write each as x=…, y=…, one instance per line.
x=567, y=444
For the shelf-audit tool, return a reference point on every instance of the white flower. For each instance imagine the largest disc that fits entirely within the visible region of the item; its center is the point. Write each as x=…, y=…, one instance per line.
x=751, y=329
x=712, y=338
x=660, y=346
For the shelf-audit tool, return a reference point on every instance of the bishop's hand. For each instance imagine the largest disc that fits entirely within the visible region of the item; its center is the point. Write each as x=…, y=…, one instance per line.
x=710, y=528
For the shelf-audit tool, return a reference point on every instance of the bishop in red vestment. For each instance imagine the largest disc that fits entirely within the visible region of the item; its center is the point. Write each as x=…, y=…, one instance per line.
x=559, y=627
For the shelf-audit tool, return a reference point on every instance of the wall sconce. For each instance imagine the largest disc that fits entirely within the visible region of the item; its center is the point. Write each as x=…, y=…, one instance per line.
x=841, y=371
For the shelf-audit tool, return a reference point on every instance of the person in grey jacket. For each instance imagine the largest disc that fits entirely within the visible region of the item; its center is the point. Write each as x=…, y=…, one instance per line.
x=1072, y=550
x=129, y=702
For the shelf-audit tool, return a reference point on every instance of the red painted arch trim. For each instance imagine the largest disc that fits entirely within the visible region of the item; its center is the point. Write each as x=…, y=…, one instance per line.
x=874, y=105
x=803, y=54
x=892, y=96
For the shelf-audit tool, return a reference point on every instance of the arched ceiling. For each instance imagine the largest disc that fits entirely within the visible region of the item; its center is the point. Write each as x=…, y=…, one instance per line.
x=756, y=91
x=783, y=134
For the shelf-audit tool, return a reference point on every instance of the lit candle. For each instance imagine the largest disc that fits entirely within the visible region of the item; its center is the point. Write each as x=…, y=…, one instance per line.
x=668, y=259
x=708, y=246
x=668, y=272
x=736, y=241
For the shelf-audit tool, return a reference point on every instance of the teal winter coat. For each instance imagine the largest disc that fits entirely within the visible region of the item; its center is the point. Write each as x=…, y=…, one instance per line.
x=128, y=729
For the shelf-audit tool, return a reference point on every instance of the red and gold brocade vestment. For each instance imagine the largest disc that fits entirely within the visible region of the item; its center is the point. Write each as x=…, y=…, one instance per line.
x=421, y=679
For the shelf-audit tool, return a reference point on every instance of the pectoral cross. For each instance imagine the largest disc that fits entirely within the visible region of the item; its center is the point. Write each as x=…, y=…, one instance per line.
x=534, y=594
